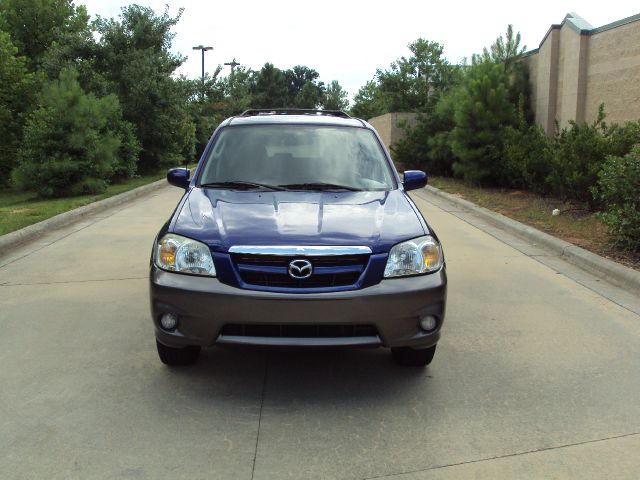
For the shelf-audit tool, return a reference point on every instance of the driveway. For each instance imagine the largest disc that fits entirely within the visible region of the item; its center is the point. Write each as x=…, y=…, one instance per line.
x=537, y=374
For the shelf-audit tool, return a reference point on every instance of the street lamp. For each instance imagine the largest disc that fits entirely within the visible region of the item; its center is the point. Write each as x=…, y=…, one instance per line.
x=203, y=49
x=233, y=65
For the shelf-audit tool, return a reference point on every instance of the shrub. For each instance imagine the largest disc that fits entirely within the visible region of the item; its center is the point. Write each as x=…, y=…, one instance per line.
x=622, y=138
x=619, y=190
x=71, y=142
x=428, y=145
x=578, y=155
x=527, y=155
x=527, y=158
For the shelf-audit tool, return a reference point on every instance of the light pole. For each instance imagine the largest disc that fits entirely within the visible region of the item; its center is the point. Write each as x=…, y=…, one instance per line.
x=233, y=65
x=203, y=49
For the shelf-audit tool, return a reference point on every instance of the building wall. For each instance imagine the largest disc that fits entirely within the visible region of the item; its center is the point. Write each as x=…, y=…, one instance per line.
x=578, y=67
x=613, y=76
x=388, y=128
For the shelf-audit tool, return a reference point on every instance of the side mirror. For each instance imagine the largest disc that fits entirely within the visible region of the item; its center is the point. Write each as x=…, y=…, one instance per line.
x=414, y=179
x=179, y=177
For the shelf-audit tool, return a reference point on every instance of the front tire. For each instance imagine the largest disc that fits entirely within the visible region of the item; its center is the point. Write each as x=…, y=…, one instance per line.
x=178, y=356
x=412, y=357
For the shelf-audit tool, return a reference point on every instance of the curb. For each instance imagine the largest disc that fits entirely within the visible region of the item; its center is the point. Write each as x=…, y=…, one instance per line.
x=613, y=272
x=10, y=241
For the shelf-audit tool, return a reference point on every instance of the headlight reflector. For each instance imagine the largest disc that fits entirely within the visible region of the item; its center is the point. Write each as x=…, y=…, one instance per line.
x=180, y=254
x=413, y=257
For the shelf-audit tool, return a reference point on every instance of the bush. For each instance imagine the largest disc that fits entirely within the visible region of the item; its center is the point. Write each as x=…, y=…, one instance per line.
x=527, y=158
x=622, y=138
x=527, y=155
x=427, y=145
x=71, y=142
x=578, y=155
x=619, y=190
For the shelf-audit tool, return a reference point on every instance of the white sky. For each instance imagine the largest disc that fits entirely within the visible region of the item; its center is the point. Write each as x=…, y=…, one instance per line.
x=347, y=40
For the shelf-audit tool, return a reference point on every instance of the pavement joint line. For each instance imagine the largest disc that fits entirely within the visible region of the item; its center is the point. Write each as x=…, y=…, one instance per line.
x=508, y=455
x=7, y=284
x=262, y=395
x=615, y=273
x=537, y=259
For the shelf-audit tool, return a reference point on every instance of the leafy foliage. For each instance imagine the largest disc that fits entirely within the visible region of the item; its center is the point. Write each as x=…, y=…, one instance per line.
x=335, y=97
x=578, y=155
x=36, y=25
x=527, y=155
x=135, y=57
x=411, y=84
x=71, y=142
x=16, y=99
x=368, y=102
x=427, y=145
x=618, y=186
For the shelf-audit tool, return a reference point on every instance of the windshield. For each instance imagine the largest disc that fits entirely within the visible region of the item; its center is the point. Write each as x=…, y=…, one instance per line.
x=308, y=156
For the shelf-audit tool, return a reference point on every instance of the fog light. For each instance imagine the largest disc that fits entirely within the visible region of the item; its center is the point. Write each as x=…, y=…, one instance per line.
x=169, y=321
x=428, y=323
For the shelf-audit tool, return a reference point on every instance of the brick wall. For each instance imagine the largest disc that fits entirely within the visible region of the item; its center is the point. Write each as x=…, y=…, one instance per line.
x=578, y=67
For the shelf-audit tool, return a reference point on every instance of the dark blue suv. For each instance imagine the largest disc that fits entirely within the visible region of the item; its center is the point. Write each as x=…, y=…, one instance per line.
x=296, y=230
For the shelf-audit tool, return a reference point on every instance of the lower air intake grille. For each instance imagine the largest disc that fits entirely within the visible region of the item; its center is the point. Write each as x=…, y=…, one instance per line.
x=300, y=331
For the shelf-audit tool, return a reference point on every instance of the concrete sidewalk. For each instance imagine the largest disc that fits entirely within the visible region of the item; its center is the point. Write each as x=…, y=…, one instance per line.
x=536, y=375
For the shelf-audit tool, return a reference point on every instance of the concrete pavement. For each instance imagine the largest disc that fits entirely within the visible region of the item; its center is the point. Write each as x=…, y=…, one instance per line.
x=536, y=375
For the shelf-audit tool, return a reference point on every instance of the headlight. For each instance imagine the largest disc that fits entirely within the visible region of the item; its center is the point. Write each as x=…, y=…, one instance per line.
x=413, y=257
x=181, y=254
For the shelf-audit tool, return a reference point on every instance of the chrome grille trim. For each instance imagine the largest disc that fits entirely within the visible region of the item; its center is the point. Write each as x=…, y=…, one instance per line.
x=294, y=250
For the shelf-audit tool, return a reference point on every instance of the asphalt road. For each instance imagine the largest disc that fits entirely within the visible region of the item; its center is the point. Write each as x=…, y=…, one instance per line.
x=537, y=374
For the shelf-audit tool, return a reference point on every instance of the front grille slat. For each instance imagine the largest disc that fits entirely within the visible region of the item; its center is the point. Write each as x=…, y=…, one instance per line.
x=272, y=270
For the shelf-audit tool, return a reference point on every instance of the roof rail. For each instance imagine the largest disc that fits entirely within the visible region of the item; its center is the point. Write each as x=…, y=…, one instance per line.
x=292, y=111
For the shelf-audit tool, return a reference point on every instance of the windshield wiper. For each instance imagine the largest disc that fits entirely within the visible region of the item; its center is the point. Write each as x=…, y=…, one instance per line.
x=239, y=184
x=319, y=186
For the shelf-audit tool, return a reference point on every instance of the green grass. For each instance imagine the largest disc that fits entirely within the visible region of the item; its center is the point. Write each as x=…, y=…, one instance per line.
x=21, y=209
x=575, y=223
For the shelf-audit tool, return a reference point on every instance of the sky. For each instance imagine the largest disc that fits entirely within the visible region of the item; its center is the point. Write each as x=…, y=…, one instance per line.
x=348, y=40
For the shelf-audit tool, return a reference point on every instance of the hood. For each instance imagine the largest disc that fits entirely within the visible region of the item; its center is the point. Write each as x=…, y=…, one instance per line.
x=223, y=218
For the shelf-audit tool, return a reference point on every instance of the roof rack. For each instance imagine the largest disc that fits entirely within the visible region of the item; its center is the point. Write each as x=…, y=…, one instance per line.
x=293, y=111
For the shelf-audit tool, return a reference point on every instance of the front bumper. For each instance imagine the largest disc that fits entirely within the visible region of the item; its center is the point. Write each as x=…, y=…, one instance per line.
x=204, y=306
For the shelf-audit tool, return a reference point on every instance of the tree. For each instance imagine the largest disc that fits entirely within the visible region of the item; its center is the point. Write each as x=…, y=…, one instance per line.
x=507, y=50
x=135, y=56
x=482, y=112
x=368, y=102
x=335, y=97
x=237, y=87
x=35, y=25
x=304, y=91
x=207, y=106
x=71, y=142
x=427, y=145
x=270, y=88
x=309, y=97
x=410, y=84
x=16, y=99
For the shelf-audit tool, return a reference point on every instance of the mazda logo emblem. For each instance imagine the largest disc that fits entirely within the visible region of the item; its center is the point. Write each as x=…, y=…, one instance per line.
x=300, y=269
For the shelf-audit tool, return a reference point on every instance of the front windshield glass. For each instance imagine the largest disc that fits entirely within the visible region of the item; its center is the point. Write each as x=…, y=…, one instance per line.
x=298, y=157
